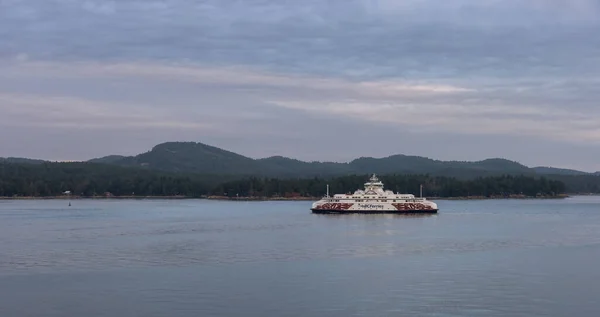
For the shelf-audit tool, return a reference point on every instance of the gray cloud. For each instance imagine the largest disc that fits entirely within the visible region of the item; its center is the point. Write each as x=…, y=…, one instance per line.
x=299, y=72
x=353, y=38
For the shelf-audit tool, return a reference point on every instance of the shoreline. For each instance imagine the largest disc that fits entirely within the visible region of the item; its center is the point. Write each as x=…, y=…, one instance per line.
x=224, y=198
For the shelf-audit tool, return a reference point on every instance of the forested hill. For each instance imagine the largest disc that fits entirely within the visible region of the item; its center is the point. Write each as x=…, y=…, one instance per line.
x=495, y=186
x=193, y=169
x=542, y=170
x=191, y=157
x=92, y=179
x=20, y=160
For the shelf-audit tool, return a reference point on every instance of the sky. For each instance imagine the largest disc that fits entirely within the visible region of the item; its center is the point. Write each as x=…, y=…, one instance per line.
x=326, y=80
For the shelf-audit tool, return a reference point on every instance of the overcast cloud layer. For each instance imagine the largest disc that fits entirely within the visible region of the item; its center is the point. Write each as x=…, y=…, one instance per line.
x=315, y=80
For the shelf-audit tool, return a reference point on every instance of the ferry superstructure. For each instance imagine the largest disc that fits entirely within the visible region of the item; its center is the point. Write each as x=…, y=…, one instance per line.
x=373, y=199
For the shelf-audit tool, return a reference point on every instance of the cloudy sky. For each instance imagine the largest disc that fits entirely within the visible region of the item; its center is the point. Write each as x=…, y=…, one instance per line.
x=311, y=79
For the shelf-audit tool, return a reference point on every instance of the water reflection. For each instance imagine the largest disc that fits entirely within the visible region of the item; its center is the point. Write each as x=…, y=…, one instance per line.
x=492, y=258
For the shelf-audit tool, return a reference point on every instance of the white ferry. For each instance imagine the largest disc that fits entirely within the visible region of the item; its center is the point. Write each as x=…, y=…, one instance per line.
x=373, y=199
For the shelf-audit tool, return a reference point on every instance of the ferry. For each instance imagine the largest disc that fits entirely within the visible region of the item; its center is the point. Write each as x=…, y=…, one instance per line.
x=373, y=199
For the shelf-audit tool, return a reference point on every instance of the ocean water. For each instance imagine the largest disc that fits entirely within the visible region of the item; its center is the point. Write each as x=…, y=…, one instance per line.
x=213, y=258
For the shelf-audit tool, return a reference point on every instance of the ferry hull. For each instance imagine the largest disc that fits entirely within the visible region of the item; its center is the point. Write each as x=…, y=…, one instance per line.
x=378, y=211
x=374, y=208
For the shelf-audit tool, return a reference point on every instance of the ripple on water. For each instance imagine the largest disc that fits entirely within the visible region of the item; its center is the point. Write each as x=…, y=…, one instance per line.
x=476, y=258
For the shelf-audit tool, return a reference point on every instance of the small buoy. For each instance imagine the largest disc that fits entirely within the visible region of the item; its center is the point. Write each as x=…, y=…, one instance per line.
x=69, y=204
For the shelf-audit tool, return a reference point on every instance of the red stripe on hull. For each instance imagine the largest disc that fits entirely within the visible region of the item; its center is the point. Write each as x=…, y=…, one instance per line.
x=334, y=206
x=322, y=211
x=411, y=206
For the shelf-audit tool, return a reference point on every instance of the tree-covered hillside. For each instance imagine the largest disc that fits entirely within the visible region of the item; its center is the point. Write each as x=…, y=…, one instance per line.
x=501, y=186
x=194, y=169
x=90, y=179
x=580, y=184
x=543, y=170
x=20, y=160
x=191, y=157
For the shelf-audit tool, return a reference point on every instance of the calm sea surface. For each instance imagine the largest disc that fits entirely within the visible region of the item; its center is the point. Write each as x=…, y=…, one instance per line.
x=210, y=258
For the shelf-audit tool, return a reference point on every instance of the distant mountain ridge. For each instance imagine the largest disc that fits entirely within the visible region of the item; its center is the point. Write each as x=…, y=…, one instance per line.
x=559, y=171
x=193, y=157
x=108, y=159
x=20, y=160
